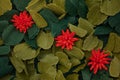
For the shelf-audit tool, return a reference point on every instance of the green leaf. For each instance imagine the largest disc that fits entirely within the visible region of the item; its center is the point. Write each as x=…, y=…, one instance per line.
x=82, y=9
x=73, y=76
x=31, y=42
x=4, y=50
x=115, y=67
x=75, y=53
x=86, y=74
x=5, y=68
x=3, y=25
x=38, y=19
x=24, y=51
x=5, y=6
x=98, y=17
x=71, y=7
x=48, y=16
x=110, y=7
x=45, y=40
x=64, y=62
x=60, y=76
x=11, y=36
x=8, y=15
x=21, y=4
x=102, y=30
x=56, y=28
x=90, y=43
x=33, y=31
x=114, y=22
x=85, y=24
x=18, y=63
x=79, y=31
x=36, y=5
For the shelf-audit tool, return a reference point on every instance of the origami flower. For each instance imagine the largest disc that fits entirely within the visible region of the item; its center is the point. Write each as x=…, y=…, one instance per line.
x=23, y=21
x=66, y=40
x=98, y=60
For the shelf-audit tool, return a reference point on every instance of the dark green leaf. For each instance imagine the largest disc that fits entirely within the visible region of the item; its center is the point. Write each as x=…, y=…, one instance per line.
x=5, y=68
x=48, y=16
x=11, y=36
x=86, y=74
x=21, y=4
x=4, y=50
x=71, y=7
x=82, y=9
x=33, y=31
x=57, y=27
x=31, y=42
x=8, y=15
x=102, y=30
x=3, y=25
x=114, y=22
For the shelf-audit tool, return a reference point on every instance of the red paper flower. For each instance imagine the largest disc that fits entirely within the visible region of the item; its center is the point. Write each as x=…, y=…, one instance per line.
x=98, y=60
x=23, y=21
x=66, y=40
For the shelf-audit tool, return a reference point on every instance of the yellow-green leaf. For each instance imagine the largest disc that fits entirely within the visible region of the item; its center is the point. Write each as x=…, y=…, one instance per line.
x=24, y=52
x=100, y=45
x=110, y=7
x=64, y=62
x=115, y=67
x=36, y=5
x=79, y=31
x=111, y=42
x=45, y=40
x=38, y=19
x=18, y=64
x=55, y=8
x=1, y=41
x=60, y=76
x=60, y=3
x=83, y=23
x=50, y=59
x=90, y=43
x=75, y=53
x=98, y=17
x=73, y=76
x=5, y=5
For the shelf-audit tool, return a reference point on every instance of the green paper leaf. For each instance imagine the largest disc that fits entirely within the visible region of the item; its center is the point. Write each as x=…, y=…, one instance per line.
x=75, y=53
x=36, y=5
x=79, y=31
x=31, y=42
x=115, y=67
x=3, y=25
x=49, y=16
x=56, y=28
x=33, y=31
x=73, y=76
x=5, y=6
x=102, y=30
x=85, y=24
x=45, y=40
x=18, y=63
x=11, y=36
x=8, y=15
x=86, y=74
x=110, y=7
x=50, y=59
x=60, y=76
x=4, y=50
x=64, y=62
x=71, y=7
x=24, y=52
x=5, y=68
x=98, y=17
x=38, y=19
x=21, y=4
x=82, y=9
x=114, y=22
x=90, y=43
